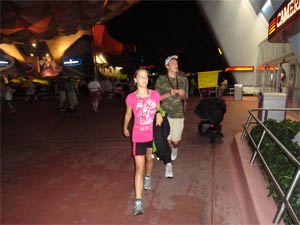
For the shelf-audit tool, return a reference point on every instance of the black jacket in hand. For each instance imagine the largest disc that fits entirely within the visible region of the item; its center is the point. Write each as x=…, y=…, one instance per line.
x=160, y=138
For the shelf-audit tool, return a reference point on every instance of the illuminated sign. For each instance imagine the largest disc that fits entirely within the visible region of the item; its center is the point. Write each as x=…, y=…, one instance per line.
x=285, y=22
x=72, y=62
x=4, y=62
x=287, y=12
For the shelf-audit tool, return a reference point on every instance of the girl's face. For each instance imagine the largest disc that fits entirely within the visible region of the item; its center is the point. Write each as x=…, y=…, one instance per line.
x=141, y=78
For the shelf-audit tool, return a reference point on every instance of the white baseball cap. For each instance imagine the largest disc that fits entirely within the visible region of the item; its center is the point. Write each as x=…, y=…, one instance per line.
x=167, y=60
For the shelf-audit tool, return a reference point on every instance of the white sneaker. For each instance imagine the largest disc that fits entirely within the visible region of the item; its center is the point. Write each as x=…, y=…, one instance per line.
x=169, y=171
x=138, y=207
x=174, y=153
x=147, y=183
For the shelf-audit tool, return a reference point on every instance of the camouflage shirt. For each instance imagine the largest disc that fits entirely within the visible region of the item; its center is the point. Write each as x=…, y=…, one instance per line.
x=172, y=105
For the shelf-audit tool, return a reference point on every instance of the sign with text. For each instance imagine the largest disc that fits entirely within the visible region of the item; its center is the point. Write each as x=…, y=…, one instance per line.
x=285, y=22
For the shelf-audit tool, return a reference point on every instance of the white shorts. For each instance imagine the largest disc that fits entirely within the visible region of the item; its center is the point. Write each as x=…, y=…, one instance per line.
x=176, y=128
x=62, y=96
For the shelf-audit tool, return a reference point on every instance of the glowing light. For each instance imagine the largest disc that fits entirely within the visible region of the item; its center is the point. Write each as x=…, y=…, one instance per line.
x=33, y=45
x=266, y=6
x=100, y=59
x=220, y=51
x=3, y=62
x=239, y=68
x=73, y=62
x=31, y=54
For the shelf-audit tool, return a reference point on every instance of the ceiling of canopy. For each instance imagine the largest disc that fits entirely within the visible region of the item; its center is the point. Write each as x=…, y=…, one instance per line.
x=27, y=21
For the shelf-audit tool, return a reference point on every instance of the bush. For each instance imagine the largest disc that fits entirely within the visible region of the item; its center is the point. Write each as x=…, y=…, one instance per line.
x=282, y=169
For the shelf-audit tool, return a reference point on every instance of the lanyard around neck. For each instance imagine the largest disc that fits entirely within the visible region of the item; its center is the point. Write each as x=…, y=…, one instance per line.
x=171, y=84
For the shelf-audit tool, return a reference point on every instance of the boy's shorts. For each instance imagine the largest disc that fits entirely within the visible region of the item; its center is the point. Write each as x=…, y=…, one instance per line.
x=140, y=148
x=176, y=128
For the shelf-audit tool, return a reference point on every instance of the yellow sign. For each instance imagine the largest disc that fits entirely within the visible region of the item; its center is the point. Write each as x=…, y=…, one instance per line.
x=208, y=79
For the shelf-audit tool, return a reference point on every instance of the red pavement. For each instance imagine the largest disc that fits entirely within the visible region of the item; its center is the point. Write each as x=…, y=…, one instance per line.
x=76, y=168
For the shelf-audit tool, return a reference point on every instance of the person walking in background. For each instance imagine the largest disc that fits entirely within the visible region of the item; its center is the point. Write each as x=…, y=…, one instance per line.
x=8, y=93
x=30, y=88
x=107, y=88
x=96, y=93
x=143, y=103
x=119, y=92
x=72, y=92
x=223, y=87
x=173, y=90
x=60, y=89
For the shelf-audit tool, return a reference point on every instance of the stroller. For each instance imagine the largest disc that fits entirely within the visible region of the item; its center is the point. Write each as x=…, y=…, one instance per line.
x=211, y=111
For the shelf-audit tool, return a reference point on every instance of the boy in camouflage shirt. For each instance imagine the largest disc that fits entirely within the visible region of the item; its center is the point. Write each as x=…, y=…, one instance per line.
x=173, y=89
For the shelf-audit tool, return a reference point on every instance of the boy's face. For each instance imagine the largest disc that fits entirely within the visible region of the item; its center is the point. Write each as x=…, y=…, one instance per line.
x=172, y=66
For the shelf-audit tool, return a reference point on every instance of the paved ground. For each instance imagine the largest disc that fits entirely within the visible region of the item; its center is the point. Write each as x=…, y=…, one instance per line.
x=76, y=168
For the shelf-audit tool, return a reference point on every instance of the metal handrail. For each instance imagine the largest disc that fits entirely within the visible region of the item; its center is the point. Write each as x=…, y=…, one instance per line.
x=266, y=132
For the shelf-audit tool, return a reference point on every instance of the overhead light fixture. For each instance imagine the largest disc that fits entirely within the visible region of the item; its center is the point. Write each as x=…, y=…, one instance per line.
x=72, y=62
x=31, y=54
x=33, y=45
x=4, y=62
x=220, y=51
x=239, y=68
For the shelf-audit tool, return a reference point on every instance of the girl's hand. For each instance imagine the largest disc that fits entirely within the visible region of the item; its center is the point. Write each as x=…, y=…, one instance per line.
x=159, y=119
x=126, y=132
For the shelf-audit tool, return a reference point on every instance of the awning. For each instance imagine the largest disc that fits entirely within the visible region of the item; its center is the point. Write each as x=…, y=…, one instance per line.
x=104, y=43
x=27, y=21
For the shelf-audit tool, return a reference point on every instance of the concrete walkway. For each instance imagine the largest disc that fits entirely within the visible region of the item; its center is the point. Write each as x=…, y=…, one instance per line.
x=77, y=168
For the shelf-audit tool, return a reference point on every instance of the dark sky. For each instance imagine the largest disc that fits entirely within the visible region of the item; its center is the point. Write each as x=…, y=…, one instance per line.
x=163, y=28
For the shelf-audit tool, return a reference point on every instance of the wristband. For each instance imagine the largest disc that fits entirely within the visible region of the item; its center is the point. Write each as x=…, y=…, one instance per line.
x=161, y=111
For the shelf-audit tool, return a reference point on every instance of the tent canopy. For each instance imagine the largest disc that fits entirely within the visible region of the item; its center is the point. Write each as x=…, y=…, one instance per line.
x=27, y=21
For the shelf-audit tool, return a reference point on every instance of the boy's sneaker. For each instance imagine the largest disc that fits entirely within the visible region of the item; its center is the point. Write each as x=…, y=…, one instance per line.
x=147, y=183
x=138, y=207
x=174, y=153
x=169, y=171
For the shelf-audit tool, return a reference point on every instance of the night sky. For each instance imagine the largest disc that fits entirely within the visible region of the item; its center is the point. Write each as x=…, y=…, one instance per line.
x=163, y=28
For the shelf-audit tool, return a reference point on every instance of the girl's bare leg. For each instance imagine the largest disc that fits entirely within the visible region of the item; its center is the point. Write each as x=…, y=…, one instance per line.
x=139, y=175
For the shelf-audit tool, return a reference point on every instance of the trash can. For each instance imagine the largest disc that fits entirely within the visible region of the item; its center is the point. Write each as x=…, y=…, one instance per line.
x=269, y=100
x=238, y=92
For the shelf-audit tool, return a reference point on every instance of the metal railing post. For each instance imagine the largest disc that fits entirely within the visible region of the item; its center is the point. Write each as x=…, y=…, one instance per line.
x=288, y=195
x=257, y=148
x=266, y=115
x=246, y=126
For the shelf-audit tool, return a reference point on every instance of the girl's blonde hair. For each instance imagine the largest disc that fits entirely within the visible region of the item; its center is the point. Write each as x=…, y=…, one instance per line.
x=139, y=70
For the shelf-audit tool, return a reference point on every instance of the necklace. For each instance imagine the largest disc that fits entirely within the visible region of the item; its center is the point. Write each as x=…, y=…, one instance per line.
x=143, y=108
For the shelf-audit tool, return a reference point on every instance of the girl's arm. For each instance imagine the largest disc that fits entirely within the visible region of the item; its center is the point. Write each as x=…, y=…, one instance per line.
x=159, y=118
x=127, y=119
